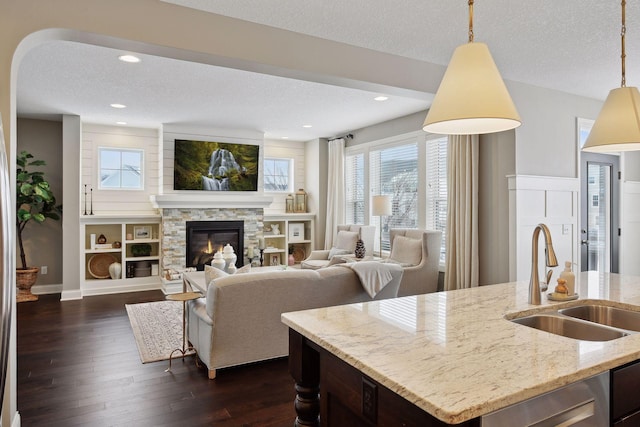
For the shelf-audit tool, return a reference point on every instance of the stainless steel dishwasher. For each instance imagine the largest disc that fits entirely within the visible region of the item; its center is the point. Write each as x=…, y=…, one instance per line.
x=584, y=403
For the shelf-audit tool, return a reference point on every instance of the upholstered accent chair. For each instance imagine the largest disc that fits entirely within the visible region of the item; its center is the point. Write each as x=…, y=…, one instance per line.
x=343, y=244
x=418, y=251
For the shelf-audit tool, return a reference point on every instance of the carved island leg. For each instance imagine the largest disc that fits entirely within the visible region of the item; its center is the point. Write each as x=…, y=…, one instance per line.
x=304, y=366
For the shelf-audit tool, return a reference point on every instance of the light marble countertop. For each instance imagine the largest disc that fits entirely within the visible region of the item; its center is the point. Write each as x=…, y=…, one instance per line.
x=455, y=355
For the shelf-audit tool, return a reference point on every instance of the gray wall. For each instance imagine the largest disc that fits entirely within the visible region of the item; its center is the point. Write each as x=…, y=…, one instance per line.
x=43, y=242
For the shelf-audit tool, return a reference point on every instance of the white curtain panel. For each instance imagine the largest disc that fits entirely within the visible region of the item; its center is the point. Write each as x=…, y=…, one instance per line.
x=461, y=265
x=335, y=191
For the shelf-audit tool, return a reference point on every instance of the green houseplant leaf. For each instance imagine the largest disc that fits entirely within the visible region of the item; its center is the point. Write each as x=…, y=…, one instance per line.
x=34, y=199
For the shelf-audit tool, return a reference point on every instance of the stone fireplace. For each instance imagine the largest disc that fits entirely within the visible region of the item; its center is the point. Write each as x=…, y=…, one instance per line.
x=205, y=238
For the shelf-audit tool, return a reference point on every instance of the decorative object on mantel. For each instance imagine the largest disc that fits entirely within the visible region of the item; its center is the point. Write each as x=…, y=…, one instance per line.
x=261, y=248
x=34, y=201
x=472, y=97
x=289, y=204
x=360, y=249
x=300, y=202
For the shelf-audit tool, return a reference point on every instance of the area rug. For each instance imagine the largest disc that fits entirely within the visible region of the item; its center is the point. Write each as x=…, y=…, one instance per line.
x=157, y=328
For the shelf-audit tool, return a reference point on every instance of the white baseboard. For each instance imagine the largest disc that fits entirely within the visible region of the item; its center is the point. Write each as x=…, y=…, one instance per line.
x=120, y=289
x=46, y=289
x=71, y=295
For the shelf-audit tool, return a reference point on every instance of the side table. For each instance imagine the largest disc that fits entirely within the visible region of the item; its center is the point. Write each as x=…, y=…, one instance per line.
x=186, y=347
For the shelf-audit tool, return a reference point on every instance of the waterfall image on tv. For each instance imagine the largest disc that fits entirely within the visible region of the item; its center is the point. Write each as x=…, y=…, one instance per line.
x=215, y=166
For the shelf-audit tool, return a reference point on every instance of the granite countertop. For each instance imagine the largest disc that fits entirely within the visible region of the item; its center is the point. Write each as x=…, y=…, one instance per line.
x=455, y=355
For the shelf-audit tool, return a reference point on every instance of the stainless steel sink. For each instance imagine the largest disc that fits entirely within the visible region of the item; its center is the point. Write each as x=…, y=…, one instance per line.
x=605, y=315
x=570, y=328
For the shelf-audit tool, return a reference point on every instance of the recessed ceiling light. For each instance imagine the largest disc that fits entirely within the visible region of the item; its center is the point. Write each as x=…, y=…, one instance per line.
x=118, y=105
x=380, y=98
x=129, y=58
x=121, y=123
x=285, y=137
x=307, y=126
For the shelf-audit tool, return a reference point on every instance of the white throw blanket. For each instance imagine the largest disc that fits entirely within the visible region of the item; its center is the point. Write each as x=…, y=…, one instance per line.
x=373, y=275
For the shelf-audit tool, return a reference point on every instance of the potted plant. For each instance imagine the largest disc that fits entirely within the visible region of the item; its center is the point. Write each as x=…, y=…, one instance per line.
x=34, y=202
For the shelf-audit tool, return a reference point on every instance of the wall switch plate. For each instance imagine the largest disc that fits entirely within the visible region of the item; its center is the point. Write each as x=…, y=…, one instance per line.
x=566, y=228
x=43, y=270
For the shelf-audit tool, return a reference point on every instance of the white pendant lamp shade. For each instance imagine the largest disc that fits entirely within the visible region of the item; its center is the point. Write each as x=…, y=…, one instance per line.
x=617, y=127
x=472, y=98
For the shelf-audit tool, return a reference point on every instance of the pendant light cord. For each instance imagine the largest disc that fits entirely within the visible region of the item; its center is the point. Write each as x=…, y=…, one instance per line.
x=623, y=32
x=471, y=20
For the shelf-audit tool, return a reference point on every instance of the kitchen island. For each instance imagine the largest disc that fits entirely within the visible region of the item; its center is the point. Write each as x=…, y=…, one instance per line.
x=455, y=356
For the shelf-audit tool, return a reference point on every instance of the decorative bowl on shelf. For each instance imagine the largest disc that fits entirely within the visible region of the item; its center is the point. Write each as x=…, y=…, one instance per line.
x=98, y=265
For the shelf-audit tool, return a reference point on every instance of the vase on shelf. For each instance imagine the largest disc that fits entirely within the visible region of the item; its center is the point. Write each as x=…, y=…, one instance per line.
x=115, y=270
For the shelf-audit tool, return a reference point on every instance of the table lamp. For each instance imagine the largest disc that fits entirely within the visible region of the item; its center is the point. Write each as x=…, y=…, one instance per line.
x=381, y=206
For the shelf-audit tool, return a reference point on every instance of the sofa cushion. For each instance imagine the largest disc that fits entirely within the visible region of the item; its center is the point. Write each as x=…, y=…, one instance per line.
x=336, y=251
x=213, y=273
x=406, y=251
x=347, y=240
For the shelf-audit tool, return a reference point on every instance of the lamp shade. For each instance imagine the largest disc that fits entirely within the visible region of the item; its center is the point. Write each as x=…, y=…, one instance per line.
x=472, y=98
x=617, y=127
x=381, y=206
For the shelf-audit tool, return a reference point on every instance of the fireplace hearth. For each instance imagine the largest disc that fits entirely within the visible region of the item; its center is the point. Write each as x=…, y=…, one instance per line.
x=205, y=238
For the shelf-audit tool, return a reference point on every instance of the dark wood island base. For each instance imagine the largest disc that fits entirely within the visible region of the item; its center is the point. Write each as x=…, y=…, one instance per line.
x=335, y=392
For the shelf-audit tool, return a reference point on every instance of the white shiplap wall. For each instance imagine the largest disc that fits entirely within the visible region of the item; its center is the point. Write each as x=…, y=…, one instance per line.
x=114, y=202
x=286, y=150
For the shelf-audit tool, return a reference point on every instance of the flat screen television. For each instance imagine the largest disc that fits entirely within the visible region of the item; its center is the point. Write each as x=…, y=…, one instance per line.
x=215, y=166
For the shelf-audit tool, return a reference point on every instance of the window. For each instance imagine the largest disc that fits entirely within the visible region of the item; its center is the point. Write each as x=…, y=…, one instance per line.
x=354, y=191
x=394, y=171
x=410, y=168
x=278, y=175
x=437, y=188
x=121, y=168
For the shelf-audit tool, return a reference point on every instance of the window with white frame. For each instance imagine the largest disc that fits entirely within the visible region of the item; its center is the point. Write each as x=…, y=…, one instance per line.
x=278, y=174
x=436, y=164
x=393, y=171
x=394, y=167
x=121, y=168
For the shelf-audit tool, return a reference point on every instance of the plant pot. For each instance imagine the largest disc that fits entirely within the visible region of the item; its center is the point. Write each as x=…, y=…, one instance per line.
x=25, y=279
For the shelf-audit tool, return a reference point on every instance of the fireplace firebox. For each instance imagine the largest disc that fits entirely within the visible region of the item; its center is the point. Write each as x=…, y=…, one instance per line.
x=205, y=238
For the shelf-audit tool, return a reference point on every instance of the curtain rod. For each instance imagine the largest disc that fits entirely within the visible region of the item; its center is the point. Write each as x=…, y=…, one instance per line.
x=347, y=136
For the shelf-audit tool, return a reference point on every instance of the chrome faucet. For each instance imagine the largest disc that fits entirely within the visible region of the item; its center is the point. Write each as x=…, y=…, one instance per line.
x=550, y=258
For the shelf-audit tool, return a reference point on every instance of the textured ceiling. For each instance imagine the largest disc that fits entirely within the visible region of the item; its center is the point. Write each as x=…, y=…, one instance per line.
x=569, y=45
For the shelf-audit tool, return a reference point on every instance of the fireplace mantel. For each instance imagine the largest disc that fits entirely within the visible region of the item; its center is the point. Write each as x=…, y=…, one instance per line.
x=205, y=200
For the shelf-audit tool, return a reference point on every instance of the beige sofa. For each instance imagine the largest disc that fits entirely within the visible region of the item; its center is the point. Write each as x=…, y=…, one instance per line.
x=239, y=321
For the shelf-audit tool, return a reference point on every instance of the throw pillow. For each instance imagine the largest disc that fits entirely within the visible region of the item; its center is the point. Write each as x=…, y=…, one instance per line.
x=244, y=269
x=335, y=251
x=406, y=250
x=347, y=240
x=336, y=260
x=212, y=273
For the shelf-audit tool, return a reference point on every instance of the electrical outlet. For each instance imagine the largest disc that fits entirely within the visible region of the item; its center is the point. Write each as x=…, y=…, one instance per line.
x=43, y=270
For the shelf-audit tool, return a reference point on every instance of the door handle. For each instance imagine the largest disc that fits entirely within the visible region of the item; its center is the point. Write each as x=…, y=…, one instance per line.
x=584, y=242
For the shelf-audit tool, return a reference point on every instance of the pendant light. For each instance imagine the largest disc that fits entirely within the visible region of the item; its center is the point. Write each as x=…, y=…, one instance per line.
x=472, y=98
x=617, y=127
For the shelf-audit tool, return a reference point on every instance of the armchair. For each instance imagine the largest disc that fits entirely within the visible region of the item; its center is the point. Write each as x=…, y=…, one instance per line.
x=418, y=251
x=344, y=244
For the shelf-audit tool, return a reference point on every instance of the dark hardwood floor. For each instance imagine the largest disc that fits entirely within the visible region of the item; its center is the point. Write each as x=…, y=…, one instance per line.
x=78, y=365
